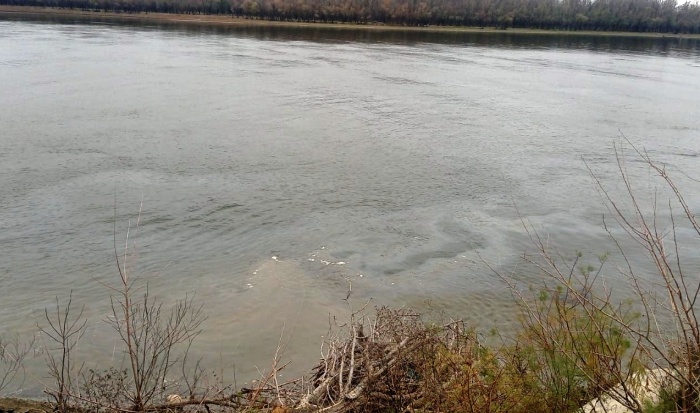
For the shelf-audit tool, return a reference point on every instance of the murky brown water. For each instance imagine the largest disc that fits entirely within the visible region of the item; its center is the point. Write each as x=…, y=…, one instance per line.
x=399, y=155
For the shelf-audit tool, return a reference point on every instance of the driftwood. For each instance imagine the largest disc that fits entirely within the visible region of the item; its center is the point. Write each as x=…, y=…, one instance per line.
x=380, y=364
x=375, y=364
x=387, y=362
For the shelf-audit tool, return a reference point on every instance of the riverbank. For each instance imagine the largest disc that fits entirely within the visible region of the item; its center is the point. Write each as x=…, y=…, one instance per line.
x=228, y=20
x=12, y=405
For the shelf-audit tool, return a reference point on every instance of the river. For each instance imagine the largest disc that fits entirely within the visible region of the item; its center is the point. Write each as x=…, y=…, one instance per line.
x=275, y=167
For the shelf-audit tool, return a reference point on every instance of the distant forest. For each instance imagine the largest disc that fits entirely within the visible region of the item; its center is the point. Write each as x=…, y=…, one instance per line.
x=665, y=16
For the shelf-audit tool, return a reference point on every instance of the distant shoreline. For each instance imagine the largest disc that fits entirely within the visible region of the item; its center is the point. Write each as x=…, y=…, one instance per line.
x=227, y=20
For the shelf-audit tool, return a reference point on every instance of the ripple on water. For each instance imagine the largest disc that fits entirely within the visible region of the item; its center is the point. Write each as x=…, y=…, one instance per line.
x=400, y=157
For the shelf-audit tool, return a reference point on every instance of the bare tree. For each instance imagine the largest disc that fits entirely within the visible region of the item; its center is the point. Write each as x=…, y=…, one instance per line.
x=149, y=333
x=64, y=330
x=659, y=328
x=12, y=356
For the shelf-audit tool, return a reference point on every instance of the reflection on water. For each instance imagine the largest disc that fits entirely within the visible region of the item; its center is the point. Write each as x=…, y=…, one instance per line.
x=399, y=154
x=348, y=33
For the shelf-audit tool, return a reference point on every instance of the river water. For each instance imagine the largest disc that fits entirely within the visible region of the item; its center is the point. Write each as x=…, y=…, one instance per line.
x=274, y=167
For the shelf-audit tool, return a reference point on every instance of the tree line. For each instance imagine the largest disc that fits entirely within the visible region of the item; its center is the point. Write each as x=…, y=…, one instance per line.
x=664, y=16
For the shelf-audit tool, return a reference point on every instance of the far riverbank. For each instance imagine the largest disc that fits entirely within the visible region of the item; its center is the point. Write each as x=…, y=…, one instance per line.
x=229, y=20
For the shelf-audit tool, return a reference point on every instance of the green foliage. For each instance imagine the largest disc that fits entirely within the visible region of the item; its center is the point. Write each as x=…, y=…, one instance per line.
x=572, y=349
x=667, y=403
x=567, y=353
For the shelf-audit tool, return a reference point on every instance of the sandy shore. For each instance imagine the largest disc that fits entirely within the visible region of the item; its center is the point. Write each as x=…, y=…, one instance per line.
x=233, y=21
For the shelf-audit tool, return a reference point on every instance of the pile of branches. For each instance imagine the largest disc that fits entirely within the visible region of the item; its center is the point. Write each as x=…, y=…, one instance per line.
x=390, y=362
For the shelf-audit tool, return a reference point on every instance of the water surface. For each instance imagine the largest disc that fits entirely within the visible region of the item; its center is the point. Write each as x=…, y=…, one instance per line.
x=389, y=160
